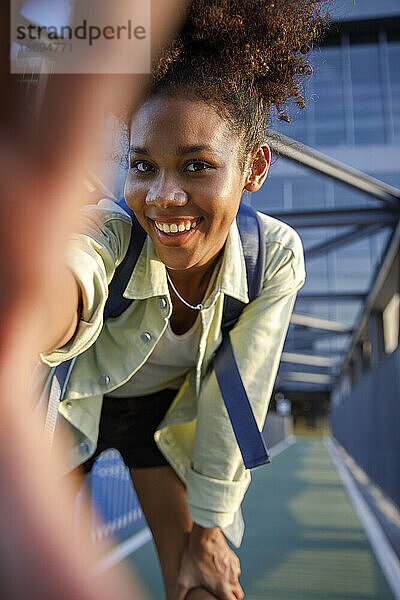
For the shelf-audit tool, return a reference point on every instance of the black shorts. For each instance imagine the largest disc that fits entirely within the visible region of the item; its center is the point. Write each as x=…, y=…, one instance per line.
x=128, y=425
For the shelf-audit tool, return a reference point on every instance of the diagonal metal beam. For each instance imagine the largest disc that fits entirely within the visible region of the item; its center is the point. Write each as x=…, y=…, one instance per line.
x=319, y=323
x=340, y=241
x=317, y=161
x=333, y=296
x=299, y=348
x=306, y=377
x=299, y=386
x=308, y=359
x=304, y=342
x=338, y=217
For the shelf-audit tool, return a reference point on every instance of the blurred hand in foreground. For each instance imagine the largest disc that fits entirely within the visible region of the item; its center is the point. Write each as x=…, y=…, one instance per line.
x=41, y=190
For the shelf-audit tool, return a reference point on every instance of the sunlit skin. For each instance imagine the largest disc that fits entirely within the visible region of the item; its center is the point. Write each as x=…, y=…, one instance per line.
x=185, y=165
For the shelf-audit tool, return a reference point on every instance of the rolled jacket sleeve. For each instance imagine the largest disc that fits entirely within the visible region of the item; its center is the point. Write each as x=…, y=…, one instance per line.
x=218, y=480
x=92, y=254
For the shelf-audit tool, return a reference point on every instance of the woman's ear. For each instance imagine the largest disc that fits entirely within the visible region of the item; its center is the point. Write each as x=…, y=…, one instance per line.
x=258, y=169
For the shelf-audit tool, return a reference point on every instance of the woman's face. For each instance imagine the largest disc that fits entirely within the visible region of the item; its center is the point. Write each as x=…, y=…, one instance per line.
x=185, y=182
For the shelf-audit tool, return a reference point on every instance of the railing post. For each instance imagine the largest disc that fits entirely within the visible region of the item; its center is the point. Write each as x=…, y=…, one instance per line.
x=375, y=329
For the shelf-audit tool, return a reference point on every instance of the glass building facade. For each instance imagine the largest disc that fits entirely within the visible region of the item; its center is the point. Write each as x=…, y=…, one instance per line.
x=353, y=115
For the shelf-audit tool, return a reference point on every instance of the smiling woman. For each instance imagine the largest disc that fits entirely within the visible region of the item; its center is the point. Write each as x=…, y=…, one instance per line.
x=185, y=185
x=143, y=381
x=184, y=168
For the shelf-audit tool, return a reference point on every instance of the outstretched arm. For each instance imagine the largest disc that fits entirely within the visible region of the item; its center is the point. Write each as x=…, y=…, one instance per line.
x=63, y=311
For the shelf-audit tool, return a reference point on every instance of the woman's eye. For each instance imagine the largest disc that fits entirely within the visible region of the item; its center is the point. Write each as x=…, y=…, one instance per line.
x=196, y=166
x=142, y=166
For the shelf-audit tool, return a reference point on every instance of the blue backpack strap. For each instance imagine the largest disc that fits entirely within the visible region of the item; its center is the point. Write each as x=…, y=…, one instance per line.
x=116, y=304
x=249, y=438
x=252, y=236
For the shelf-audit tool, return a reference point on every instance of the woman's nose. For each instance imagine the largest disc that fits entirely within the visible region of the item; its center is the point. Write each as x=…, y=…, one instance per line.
x=164, y=196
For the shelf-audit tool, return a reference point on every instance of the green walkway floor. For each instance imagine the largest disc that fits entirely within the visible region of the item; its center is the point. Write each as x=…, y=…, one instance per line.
x=303, y=540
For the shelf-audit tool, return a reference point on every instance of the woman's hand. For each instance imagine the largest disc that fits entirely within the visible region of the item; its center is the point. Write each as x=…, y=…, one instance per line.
x=208, y=562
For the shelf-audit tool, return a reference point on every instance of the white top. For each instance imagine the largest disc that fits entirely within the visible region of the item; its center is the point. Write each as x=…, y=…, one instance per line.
x=167, y=365
x=171, y=359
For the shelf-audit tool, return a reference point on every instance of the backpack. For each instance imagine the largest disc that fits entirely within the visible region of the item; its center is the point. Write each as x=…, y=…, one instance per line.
x=248, y=436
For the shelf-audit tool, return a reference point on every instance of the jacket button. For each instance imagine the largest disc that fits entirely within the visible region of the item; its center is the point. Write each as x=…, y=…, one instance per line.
x=104, y=379
x=83, y=448
x=145, y=336
x=162, y=303
x=69, y=405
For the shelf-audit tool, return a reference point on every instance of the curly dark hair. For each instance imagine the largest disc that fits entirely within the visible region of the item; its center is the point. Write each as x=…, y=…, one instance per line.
x=243, y=57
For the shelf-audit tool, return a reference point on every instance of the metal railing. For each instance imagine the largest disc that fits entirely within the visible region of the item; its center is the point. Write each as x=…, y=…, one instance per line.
x=116, y=511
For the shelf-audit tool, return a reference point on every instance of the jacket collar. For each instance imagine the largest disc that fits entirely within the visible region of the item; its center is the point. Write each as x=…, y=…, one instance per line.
x=149, y=278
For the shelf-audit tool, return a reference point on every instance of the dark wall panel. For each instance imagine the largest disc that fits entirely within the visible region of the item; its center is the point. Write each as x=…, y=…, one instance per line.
x=367, y=424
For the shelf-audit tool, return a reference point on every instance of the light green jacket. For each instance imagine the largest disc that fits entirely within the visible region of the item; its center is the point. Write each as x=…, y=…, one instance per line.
x=195, y=435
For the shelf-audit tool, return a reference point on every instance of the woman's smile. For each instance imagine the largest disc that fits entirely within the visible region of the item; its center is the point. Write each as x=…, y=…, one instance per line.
x=175, y=231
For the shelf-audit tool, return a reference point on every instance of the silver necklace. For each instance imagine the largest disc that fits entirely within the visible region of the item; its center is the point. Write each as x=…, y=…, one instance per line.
x=198, y=307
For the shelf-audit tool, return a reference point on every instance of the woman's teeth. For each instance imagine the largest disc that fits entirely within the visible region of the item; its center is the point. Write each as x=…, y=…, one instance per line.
x=176, y=227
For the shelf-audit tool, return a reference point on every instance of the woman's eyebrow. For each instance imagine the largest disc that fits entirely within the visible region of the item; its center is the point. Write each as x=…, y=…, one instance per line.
x=138, y=150
x=196, y=148
x=180, y=150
